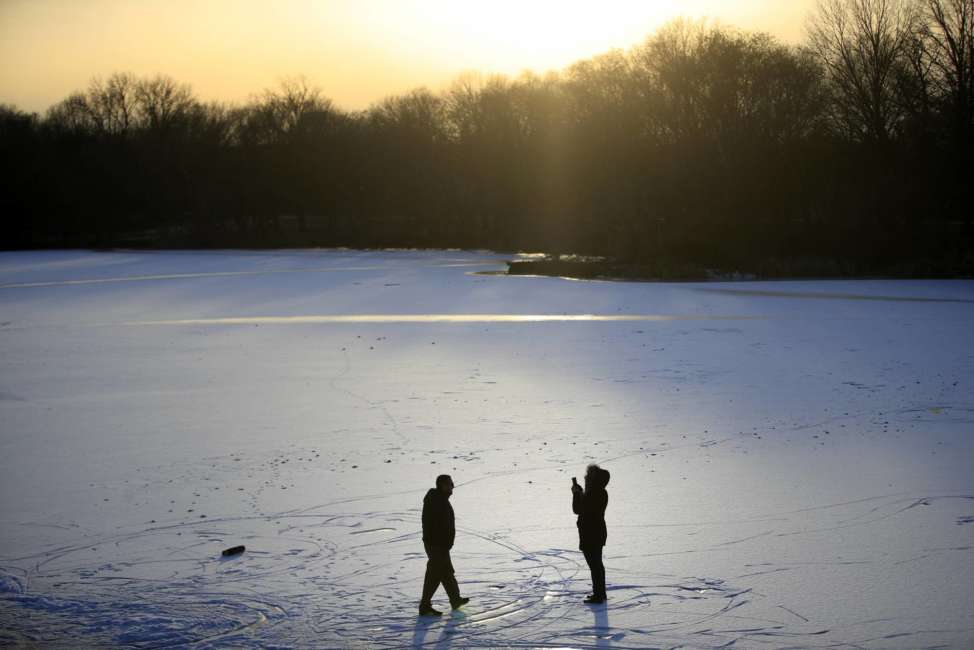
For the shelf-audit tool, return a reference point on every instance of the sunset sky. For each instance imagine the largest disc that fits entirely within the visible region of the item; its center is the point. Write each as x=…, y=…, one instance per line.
x=356, y=51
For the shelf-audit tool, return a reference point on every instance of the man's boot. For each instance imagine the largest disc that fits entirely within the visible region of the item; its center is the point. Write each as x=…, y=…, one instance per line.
x=426, y=609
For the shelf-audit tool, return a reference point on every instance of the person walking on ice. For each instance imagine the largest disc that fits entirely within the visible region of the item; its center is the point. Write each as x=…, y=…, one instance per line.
x=438, y=534
x=590, y=504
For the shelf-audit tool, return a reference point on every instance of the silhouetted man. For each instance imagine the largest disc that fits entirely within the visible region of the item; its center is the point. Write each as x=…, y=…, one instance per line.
x=438, y=534
x=590, y=504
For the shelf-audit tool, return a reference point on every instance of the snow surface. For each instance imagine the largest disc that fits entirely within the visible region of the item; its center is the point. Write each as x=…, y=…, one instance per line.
x=791, y=462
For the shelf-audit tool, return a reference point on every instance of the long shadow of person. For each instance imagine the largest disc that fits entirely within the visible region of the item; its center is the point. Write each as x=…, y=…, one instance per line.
x=423, y=625
x=602, y=628
x=447, y=635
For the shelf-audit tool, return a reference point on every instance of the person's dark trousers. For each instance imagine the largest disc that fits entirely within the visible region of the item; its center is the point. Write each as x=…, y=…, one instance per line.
x=439, y=568
x=593, y=555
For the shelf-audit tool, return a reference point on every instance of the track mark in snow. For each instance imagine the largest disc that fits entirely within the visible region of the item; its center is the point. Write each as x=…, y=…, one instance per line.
x=299, y=584
x=372, y=403
x=746, y=539
x=766, y=572
x=371, y=530
x=791, y=611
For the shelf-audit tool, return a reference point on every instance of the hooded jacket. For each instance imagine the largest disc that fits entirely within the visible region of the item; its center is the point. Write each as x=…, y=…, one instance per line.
x=590, y=507
x=438, y=526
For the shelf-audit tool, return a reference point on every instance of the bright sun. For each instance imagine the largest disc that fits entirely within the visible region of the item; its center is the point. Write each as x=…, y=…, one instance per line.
x=509, y=36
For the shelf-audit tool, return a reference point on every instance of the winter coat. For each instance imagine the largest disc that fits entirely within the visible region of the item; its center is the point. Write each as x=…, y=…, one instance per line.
x=438, y=527
x=590, y=507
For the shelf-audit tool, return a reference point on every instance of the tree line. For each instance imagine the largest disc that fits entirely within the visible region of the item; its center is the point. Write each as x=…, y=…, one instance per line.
x=704, y=145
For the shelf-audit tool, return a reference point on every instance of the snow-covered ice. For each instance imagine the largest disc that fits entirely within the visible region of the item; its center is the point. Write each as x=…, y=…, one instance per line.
x=791, y=461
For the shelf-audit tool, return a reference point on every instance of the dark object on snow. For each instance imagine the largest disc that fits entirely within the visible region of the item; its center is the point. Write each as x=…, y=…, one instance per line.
x=590, y=504
x=439, y=533
x=236, y=550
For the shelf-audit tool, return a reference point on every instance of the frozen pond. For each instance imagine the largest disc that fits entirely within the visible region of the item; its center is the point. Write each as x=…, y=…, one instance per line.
x=791, y=461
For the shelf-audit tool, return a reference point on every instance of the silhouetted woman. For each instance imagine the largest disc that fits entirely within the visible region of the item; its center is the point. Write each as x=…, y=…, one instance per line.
x=589, y=504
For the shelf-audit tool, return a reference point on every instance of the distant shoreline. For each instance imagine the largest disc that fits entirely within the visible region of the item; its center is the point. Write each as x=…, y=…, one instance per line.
x=670, y=271
x=606, y=269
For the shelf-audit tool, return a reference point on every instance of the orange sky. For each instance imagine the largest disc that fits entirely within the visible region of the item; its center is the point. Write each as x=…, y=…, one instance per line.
x=356, y=51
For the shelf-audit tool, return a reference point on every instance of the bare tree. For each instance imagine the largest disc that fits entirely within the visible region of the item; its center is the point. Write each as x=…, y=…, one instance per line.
x=463, y=110
x=603, y=84
x=71, y=114
x=668, y=67
x=293, y=102
x=112, y=103
x=162, y=101
x=418, y=114
x=951, y=39
x=861, y=43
